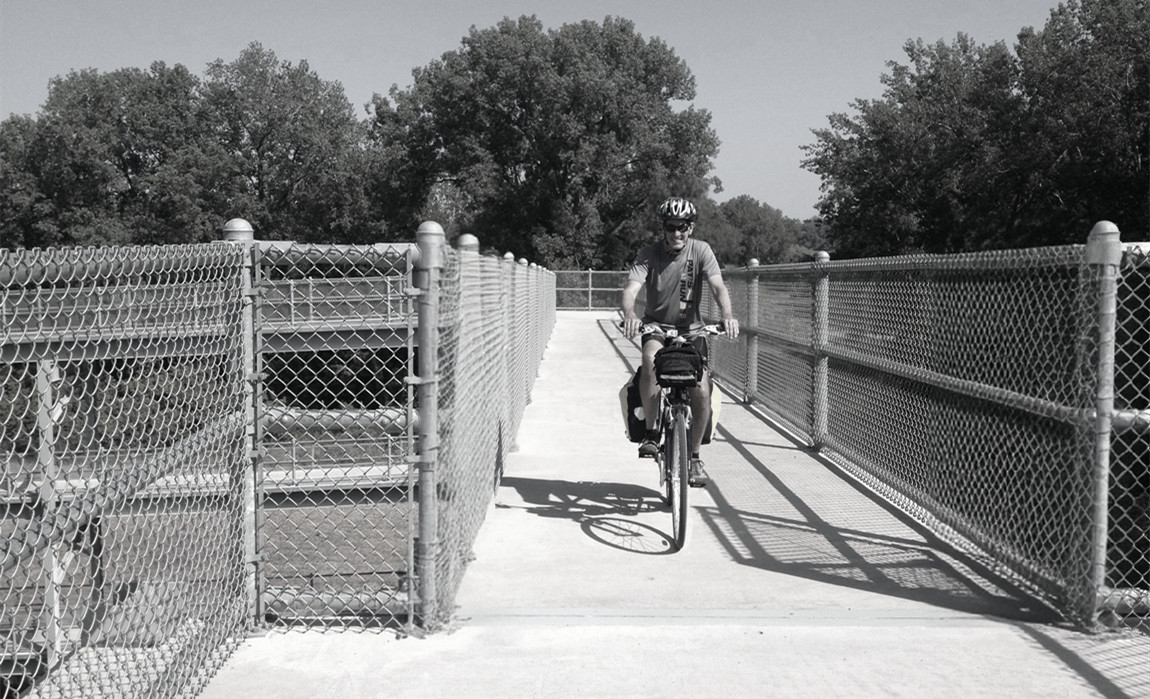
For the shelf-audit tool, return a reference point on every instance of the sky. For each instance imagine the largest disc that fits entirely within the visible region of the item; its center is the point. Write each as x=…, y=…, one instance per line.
x=768, y=71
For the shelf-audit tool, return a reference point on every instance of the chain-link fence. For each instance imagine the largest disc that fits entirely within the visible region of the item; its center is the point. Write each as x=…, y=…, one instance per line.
x=495, y=329
x=965, y=389
x=336, y=327
x=122, y=449
x=587, y=289
x=1128, y=573
x=201, y=440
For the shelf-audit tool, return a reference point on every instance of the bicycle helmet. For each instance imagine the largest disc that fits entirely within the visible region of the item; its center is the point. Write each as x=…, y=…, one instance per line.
x=677, y=207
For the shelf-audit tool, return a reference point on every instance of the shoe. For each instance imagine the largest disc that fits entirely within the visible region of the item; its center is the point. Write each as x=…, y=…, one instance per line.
x=697, y=475
x=648, y=449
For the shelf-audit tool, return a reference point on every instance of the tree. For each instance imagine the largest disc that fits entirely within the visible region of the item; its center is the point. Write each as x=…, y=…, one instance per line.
x=22, y=204
x=112, y=158
x=765, y=234
x=810, y=238
x=1085, y=79
x=560, y=142
x=913, y=170
x=292, y=162
x=973, y=147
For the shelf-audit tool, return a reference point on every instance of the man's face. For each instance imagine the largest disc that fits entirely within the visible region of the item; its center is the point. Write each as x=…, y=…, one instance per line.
x=675, y=234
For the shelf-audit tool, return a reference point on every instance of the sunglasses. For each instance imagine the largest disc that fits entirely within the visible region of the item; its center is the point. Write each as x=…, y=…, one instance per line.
x=681, y=227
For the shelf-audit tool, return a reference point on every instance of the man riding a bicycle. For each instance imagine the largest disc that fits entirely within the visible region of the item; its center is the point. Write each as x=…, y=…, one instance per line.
x=673, y=271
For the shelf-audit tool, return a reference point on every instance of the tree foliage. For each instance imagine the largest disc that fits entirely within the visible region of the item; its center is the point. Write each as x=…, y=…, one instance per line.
x=290, y=146
x=111, y=159
x=161, y=156
x=555, y=144
x=741, y=229
x=975, y=147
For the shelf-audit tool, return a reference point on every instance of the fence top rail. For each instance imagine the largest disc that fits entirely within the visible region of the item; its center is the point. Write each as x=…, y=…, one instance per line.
x=288, y=253
x=1022, y=258
x=1138, y=254
x=36, y=266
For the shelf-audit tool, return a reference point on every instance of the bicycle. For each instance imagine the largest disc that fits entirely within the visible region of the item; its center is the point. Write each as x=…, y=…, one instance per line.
x=676, y=378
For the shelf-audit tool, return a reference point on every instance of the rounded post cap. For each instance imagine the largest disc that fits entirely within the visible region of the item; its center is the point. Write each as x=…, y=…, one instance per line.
x=238, y=230
x=1104, y=245
x=429, y=228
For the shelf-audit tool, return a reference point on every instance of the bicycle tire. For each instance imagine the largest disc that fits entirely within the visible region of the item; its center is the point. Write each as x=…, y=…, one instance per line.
x=679, y=465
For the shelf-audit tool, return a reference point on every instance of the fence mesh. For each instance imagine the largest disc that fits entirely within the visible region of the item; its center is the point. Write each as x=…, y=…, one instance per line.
x=963, y=388
x=1128, y=573
x=496, y=325
x=338, y=516
x=122, y=446
x=587, y=289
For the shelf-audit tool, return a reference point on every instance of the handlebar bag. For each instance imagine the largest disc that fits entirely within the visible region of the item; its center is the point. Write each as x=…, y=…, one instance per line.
x=678, y=366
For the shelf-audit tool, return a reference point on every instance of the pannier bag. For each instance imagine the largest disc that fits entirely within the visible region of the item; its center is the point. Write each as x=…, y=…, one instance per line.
x=631, y=403
x=679, y=366
x=634, y=423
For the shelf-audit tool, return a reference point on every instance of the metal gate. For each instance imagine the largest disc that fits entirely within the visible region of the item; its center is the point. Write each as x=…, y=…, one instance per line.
x=335, y=357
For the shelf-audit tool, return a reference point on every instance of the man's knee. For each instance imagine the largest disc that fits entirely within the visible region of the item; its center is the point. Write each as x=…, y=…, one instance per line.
x=650, y=349
x=702, y=392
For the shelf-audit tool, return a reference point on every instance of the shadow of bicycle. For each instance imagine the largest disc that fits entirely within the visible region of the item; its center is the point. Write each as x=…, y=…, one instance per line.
x=604, y=511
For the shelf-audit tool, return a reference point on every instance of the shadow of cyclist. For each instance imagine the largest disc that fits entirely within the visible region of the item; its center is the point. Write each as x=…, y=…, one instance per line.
x=604, y=511
x=576, y=500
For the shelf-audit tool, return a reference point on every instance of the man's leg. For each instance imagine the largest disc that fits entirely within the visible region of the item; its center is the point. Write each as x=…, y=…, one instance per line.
x=700, y=411
x=649, y=394
x=648, y=387
x=700, y=416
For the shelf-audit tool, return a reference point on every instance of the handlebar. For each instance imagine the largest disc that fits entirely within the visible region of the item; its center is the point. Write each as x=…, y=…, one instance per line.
x=654, y=328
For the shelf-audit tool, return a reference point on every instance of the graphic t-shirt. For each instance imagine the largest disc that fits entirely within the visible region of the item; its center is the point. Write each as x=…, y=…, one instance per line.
x=674, y=282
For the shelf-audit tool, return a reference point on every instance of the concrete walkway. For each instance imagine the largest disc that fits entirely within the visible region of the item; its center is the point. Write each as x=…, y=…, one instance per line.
x=793, y=582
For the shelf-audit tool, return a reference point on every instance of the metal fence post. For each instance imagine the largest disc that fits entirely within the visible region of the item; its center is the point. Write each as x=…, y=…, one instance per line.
x=48, y=414
x=240, y=232
x=752, y=321
x=430, y=240
x=820, y=378
x=1104, y=253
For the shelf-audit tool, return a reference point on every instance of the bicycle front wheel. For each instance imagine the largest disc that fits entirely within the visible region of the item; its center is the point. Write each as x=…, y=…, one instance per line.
x=678, y=466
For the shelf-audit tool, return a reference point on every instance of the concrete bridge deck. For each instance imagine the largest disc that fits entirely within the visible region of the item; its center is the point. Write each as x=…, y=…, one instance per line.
x=793, y=582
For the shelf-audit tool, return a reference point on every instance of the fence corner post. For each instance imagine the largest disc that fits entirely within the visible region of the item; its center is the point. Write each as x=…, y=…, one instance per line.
x=820, y=385
x=238, y=231
x=1104, y=254
x=430, y=241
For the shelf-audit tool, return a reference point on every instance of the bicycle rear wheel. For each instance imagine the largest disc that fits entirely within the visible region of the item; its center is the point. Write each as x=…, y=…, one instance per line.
x=678, y=464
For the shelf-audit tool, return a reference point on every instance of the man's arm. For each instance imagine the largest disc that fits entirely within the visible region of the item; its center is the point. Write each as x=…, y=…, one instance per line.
x=631, y=322
x=723, y=298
